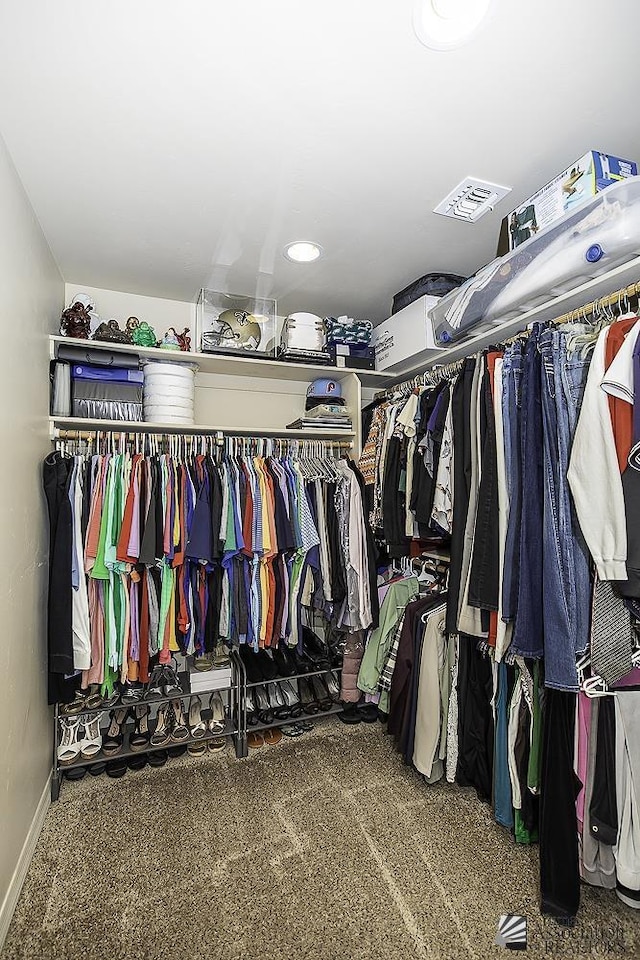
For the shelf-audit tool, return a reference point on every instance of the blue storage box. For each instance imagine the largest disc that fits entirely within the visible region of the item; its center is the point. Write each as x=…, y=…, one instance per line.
x=106, y=374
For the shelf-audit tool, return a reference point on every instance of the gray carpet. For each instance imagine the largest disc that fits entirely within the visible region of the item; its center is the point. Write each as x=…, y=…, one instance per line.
x=324, y=848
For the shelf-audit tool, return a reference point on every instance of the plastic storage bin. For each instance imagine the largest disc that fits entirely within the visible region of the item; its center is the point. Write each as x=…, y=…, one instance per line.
x=592, y=240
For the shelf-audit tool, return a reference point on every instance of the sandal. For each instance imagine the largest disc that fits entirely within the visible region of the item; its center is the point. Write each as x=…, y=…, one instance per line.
x=132, y=693
x=289, y=691
x=197, y=725
x=217, y=722
x=197, y=748
x=277, y=702
x=171, y=686
x=112, y=742
x=305, y=725
x=333, y=686
x=221, y=656
x=153, y=690
x=291, y=730
x=180, y=731
x=216, y=744
x=91, y=744
x=265, y=714
x=140, y=737
x=204, y=663
x=162, y=733
x=272, y=736
x=307, y=699
x=255, y=740
x=69, y=746
x=252, y=716
x=93, y=699
x=74, y=707
x=321, y=694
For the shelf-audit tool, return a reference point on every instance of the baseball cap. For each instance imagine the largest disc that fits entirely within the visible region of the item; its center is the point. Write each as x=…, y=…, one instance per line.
x=324, y=387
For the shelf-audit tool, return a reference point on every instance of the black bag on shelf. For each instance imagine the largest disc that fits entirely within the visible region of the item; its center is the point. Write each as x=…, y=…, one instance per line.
x=432, y=285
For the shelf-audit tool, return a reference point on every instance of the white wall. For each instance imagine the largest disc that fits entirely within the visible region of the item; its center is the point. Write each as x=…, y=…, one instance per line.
x=160, y=313
x=31, y=296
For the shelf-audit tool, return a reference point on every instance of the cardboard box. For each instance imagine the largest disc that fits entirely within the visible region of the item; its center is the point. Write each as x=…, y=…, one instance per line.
x=406, y=336
x=574, y=186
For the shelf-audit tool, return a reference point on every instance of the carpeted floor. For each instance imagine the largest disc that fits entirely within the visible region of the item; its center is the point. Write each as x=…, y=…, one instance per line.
x=324, y=848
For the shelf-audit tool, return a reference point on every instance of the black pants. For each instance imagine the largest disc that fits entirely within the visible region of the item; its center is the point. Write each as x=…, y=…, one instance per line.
x=461, y=415
x=485, y=573
x=559, y=874
x=475, y=719
x=56, y=473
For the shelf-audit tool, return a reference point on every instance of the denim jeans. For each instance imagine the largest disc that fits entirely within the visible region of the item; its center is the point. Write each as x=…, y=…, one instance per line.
x=566, y=588
x=528, y=631
x=511, y=415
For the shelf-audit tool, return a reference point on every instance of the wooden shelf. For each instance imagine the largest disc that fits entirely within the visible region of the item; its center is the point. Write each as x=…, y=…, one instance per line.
x=245, y=366
x=134, y=426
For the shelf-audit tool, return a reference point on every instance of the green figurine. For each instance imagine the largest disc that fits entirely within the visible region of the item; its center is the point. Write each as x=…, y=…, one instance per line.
x=141, y=333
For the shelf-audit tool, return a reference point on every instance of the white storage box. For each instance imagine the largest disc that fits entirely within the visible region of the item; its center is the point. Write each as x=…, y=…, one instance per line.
x=169, y=392
x=407, y=335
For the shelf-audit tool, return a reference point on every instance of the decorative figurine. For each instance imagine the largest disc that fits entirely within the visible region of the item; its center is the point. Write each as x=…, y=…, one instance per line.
x=170, y=340
x=141, y=333
x=76, y=321
x=184, y=340
x=110, y=332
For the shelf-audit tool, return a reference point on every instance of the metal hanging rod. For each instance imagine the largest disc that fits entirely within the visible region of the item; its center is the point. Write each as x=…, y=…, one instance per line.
x=219, y=437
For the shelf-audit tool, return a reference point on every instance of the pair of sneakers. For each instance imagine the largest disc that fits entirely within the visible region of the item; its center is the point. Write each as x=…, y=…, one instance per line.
x=79, y=737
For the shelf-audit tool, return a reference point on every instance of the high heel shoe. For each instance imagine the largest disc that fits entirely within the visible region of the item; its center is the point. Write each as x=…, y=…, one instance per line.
x=69, y=746
x=112, y=742
x=321, y=693
x=333, y=686
x=265, y=714
x=252, y=715
x=162, y=733
x=289, y=690
x=217, y=721
x=307, y=699
x=140, y=737
x=197, y=725
x=180, y=731
x=277, y=702
x=92, y=740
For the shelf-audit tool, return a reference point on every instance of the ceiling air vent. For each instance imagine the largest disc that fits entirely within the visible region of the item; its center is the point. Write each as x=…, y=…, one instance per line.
x=471, y=199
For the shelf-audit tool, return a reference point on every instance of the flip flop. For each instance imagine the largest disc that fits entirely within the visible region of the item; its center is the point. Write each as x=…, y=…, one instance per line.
x=255, y=740
x=291, y=730
x=272, y=736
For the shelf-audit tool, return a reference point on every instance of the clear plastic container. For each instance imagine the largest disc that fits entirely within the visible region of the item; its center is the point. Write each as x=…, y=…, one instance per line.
x=588, y=242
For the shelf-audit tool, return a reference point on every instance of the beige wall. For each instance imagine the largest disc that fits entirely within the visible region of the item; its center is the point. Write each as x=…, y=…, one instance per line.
x=31, y=295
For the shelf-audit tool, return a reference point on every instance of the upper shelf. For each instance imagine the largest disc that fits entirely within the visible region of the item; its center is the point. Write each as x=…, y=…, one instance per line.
x=579, y=296
x=245, y=366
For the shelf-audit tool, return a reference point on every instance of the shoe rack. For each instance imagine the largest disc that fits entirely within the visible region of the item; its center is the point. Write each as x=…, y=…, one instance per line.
x=236, y=728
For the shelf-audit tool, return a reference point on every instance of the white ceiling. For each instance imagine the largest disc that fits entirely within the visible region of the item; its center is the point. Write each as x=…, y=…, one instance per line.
x=171, y=145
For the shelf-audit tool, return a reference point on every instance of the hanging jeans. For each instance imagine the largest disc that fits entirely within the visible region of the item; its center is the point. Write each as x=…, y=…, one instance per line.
x=528, y=630
x=511, y=416
x=566, y=589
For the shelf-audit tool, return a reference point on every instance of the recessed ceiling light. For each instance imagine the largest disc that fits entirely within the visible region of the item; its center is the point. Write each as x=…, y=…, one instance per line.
x=302, y=251
x=446, y=24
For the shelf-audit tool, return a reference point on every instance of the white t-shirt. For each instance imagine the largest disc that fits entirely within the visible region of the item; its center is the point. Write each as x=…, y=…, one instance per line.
x=618, y=379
